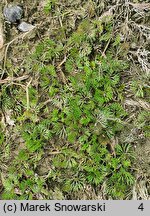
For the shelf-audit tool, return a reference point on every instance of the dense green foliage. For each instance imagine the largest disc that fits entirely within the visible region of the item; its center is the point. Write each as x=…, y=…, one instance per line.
x=72, y=117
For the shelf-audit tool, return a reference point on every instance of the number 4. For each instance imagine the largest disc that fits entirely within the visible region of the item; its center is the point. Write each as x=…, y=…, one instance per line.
x=141, y=207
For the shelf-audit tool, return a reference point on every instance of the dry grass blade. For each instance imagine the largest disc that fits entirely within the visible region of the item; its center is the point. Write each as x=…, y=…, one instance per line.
x=139, y=103
x=22, y=36
x=141, y=6
x=1, y=38
x=12, y=79
x=1, y=33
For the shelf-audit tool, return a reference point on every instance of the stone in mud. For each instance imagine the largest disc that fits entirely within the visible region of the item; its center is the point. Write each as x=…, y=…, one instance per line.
x=25, y=27
x=13, y=13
